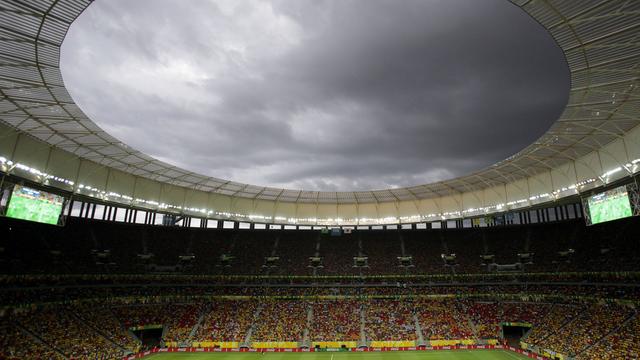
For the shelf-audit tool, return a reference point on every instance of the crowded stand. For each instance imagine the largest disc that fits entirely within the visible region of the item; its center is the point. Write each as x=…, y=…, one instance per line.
x=574, y=327
x=335, y=320
x=558, y=316
x=141, y=314
x=293, y=258
x=182, y=320
x=227, y=320
x=281, y=320
x=109, y=326
x=486, y=317
x=389, y=320
x=443, y=320
x=60, y=297
x=587, y=329
x=129, y=248
x=382, y=253
x=622, y=344
x=426, y=253
x=337, y=256
x=516, y=312
x=246, y=249
x=69, y=335
x=17, y=344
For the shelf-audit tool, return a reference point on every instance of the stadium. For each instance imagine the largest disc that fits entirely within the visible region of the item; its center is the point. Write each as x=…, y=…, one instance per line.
x=107, y=252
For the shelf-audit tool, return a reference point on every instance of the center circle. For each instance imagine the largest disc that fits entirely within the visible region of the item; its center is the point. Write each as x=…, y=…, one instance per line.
x=330, y=96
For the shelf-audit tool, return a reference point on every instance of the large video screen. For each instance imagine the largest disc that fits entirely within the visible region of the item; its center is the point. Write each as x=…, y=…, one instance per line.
x=34, y=205
x=609, y=205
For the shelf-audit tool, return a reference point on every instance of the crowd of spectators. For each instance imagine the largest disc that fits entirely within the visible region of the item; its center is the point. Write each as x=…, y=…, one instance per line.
x=335, y=320
x=142, y=314
x=281, y=320
x=107, y=325
x=292, y=257
x=181, y=321
x=558, y=316
x=623, y=344
x=189, y=291
x=587, y=329
x=382, y=253
x=389, y=320
x=486, y=317
x=16, y=344
x=89, y=315
x=125, y=248
x=443, y=320
x=531, y=313
x=69, y=335
x=337, y=255
x=227, y=320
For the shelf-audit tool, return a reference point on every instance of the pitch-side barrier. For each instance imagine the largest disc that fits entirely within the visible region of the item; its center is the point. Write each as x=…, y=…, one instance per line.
x=363, y=349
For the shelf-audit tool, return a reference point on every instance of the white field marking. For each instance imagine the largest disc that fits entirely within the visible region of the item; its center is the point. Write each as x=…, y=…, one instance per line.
x=331, y=356
x=511, y=354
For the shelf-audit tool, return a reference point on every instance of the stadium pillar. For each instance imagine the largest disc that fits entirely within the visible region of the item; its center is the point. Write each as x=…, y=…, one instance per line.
x=577, y=210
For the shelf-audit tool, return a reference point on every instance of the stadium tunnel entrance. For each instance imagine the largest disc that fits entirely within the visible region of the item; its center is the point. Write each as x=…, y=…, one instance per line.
x=515, y=331
x=149, y=336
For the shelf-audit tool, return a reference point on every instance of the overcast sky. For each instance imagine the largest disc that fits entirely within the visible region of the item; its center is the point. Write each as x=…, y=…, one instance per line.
x=317, y=94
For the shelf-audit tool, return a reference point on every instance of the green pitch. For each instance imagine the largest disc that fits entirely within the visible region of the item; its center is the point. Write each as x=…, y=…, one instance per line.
x=393, y=355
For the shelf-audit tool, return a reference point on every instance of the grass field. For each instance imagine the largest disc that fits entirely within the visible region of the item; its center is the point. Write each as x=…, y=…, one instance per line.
x=393, y=355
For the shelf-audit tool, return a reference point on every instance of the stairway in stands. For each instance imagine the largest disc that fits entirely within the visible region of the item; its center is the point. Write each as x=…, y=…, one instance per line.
x=256, y=317
x=98, y=331
x=363, y=321
x=196, y=326
x=612, y=332
x=40, y=340
x=419, y=335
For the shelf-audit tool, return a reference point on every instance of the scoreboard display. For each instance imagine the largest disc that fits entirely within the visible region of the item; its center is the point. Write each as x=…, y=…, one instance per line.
x=34, y=205
x=609, y=205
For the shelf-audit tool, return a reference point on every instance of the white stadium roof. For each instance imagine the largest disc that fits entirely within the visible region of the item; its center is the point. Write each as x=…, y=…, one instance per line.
x=595, y=140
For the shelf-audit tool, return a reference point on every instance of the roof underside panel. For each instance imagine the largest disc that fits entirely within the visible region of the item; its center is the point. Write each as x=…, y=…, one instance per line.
x=599, y=39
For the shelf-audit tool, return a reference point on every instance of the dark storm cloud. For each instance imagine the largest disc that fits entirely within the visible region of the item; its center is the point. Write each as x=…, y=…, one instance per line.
x=320, y=95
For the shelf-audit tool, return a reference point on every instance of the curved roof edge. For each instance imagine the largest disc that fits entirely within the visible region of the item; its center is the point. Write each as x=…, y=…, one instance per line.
x=596, y=139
